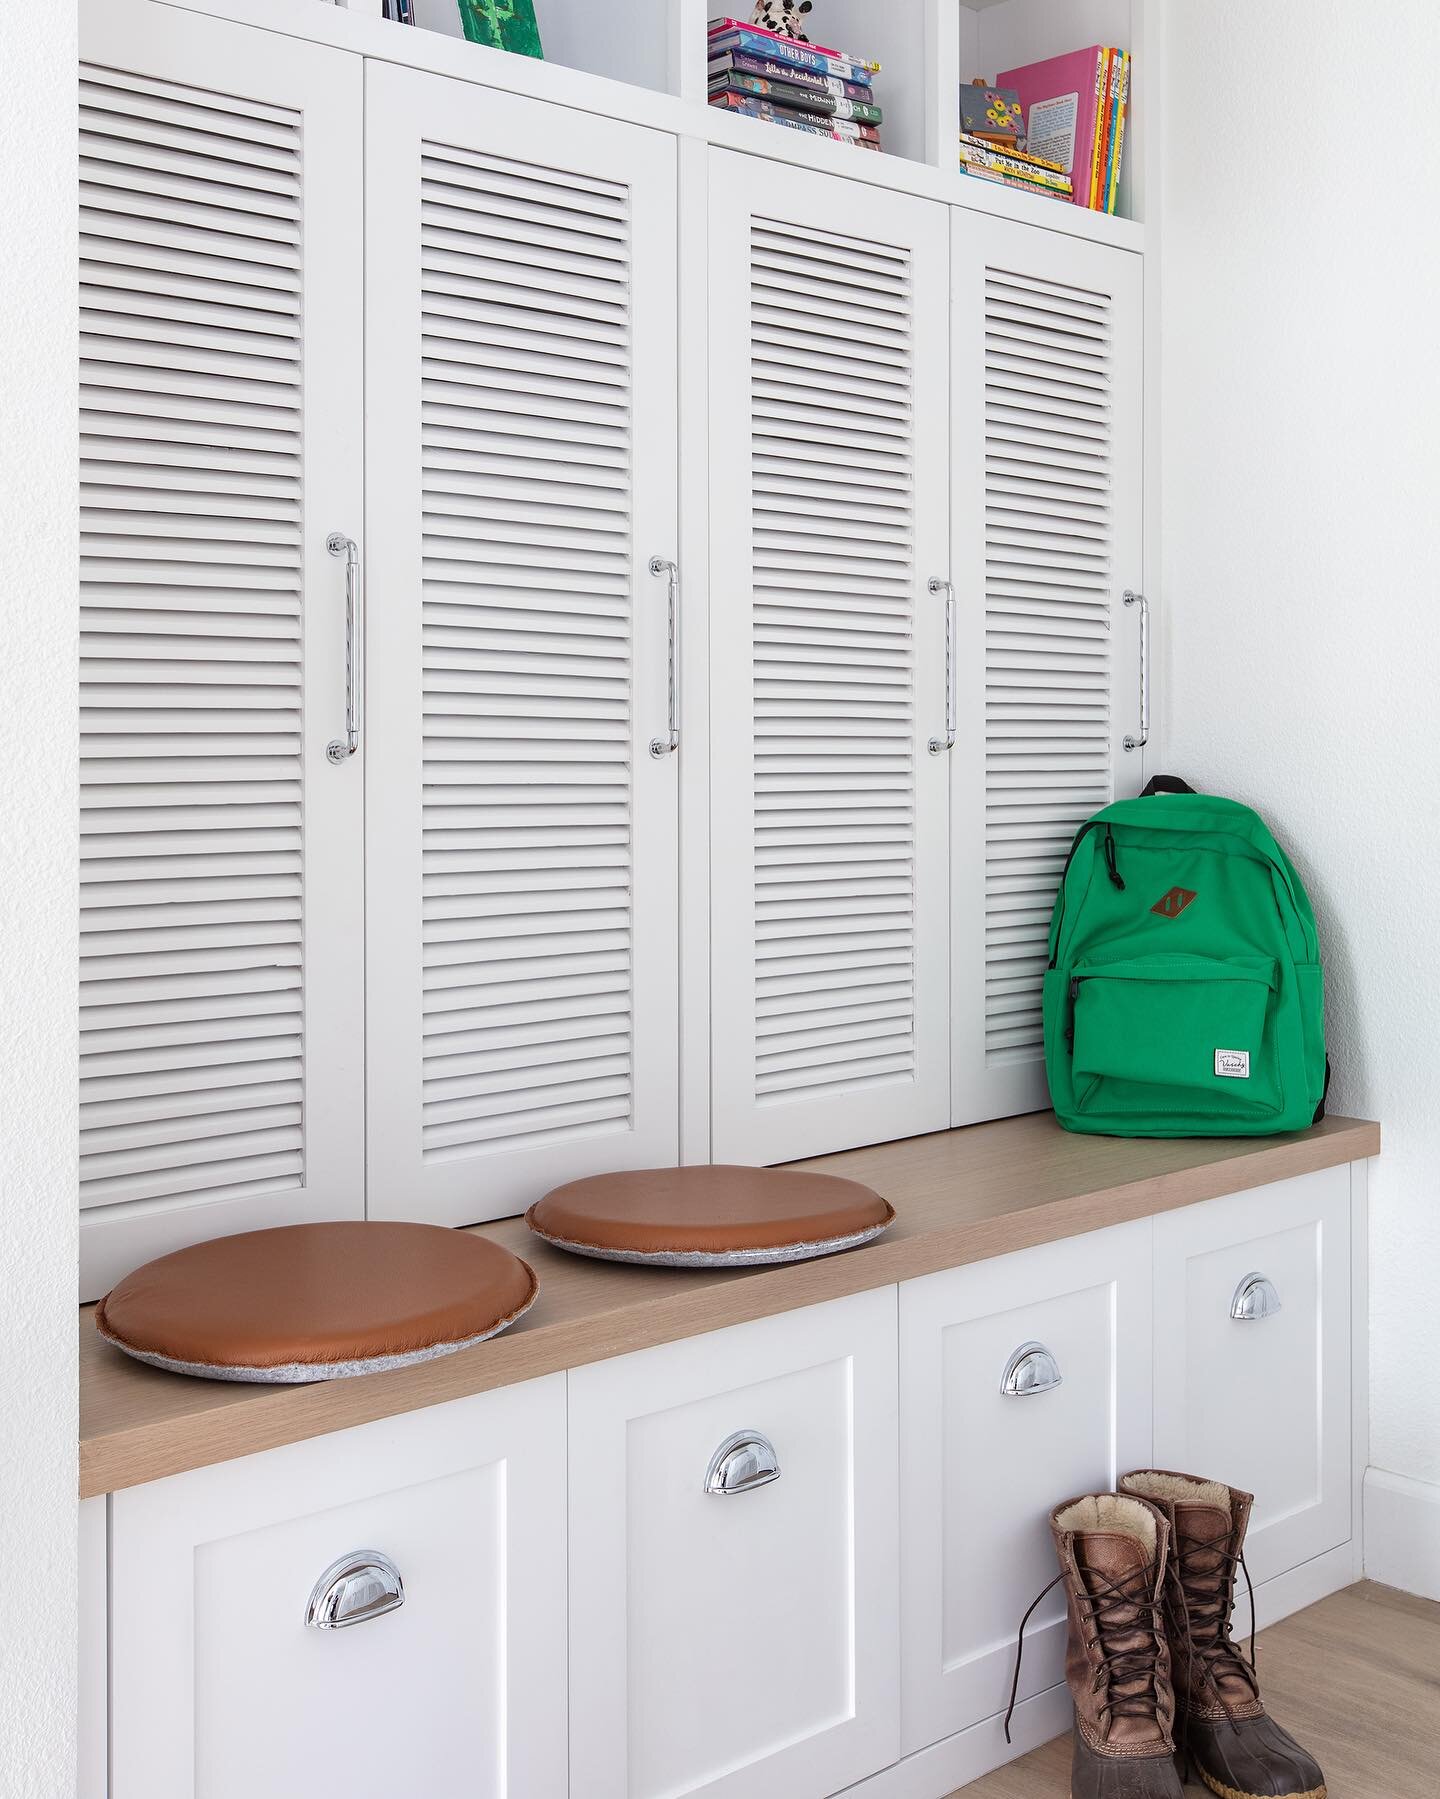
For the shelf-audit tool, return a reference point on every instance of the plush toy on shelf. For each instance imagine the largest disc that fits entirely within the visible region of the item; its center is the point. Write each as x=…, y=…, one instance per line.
x=784, y=16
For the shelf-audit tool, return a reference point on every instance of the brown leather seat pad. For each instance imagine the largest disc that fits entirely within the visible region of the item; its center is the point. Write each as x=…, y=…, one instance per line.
x=707, y=1211
x=317, y=1293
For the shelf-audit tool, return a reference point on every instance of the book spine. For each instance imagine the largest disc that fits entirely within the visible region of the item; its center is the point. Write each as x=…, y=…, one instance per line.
x=974, y=157
x=865, y=136
x=1097, y=146
x=739, y=63
x=1015, y=181
x=1121, y=113
x=725, y=27
x=784, y=50
x=1021, y=156
x=806, y=99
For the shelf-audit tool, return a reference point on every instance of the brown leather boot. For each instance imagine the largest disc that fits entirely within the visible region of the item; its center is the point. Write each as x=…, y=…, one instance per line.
x=1235, y=1747
x=1113, y=1552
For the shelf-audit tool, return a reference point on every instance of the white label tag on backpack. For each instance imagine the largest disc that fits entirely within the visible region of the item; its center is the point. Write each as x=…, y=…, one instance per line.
x=1234, y=1064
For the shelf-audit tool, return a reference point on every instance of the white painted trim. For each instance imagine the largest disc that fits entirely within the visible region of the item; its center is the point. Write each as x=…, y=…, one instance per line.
x=93, y=1697
x=1359, y=1359
x=955, y=1762
x=1402, y=1532
x=1296, y=1588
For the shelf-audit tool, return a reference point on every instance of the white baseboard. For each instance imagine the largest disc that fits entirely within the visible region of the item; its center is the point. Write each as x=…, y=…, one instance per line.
x=1402, y=1532
x=955, y=1762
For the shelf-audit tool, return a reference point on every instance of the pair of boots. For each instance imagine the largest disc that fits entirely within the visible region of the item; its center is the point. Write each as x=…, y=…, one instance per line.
x=1149, y=1576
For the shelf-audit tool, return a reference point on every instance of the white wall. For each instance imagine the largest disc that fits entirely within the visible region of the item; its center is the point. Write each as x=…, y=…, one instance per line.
x=1301, y=579
x=38, y=831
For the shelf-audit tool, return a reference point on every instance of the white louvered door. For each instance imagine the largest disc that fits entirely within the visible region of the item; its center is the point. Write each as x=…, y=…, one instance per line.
x=828, y=458
x=1046, y=433
x=221, y=974
x=521, y=838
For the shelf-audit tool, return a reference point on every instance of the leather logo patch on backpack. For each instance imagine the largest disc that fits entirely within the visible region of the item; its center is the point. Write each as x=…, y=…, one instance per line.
x=1174, y=902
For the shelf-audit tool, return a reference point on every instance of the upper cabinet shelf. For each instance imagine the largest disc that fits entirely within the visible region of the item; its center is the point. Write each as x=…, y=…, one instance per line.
x=650, y=60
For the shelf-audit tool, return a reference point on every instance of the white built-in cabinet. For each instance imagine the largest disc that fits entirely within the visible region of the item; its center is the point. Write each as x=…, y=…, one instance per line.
x=387, y=630
x=223, y=1686
x=522, y=902
x=1029, y=1374
x=584, y=1613
x=222, y=1008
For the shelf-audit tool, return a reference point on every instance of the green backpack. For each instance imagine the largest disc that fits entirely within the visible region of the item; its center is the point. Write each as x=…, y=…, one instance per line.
x=1183, y=996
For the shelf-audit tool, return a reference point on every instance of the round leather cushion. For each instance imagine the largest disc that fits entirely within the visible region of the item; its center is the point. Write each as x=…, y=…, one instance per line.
x=314, y=1301
x=719, y=1216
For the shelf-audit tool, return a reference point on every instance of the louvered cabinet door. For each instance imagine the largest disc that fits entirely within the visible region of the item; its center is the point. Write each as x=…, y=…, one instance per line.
x=221, y=970
x=1046, y=360
x=522, y=911
x=828, y=465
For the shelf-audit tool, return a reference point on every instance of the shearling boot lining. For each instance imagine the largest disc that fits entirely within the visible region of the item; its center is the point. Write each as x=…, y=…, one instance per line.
x=1181, y=1490
x=1113, y=1512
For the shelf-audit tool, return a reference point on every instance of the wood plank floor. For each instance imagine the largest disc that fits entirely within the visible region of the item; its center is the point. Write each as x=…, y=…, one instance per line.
x=1355, y=1678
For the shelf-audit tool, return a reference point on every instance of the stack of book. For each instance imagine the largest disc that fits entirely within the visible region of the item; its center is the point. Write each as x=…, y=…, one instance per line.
x=1065, y=118
x=804, y=86
x=993, y=145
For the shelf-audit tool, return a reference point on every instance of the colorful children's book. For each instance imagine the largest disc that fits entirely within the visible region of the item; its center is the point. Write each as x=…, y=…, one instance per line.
x=500, y=24
x=801, y=56
x=991, y=112
x=1063, y=99
x=1015, y=181
x=981, y=156
x=716, y=26
x=1117, y=134
x=864, y=137
x=1025, y=156
x=1102, y=133
x=770, y=68
x=803, y=99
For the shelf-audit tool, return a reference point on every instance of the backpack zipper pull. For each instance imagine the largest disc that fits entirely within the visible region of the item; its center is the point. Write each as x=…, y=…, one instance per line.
x=1110, y=859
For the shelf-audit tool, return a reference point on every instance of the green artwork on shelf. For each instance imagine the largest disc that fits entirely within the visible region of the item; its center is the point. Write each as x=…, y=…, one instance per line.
x=503, y=25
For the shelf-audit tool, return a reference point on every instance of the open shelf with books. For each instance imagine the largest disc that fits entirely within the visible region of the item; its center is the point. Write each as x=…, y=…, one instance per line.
x=1085, y=98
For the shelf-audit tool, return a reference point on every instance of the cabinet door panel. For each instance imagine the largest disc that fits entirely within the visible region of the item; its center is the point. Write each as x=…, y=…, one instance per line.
x=522, y=920
x=222, y=1691
x=982, y=1469
x=221, y=984
x=1047, y=361
x=827, y=470
x=740, y=1646
x=1262, y=1404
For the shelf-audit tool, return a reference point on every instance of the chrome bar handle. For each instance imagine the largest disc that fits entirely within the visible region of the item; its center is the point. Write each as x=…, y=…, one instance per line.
x=1138, y=599
x=343, y=748
x=938, y=746
x=667, y=746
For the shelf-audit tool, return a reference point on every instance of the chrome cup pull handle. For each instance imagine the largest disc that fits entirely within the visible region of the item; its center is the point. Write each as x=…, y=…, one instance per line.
x=343, y=748
x=743, y=1462
x=1032, y=1369
x=939, y=746
x=1138, y=599
x=1254, y=1299
x=667, y=746
x=362, y=1585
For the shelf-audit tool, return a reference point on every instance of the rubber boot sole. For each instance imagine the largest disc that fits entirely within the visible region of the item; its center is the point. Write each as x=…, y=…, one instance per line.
x=1219, y=1786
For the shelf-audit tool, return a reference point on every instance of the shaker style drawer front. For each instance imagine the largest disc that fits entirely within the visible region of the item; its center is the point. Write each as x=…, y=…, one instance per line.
x=372, y=1613
x=1252, y=1358
x=733, y=1568
x=1023, y=1381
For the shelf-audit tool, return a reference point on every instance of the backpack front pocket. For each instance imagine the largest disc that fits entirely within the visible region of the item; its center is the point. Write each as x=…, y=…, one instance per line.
x=1187, y=1033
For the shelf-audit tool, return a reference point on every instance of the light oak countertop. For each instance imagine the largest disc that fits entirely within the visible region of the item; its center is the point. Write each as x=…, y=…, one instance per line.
x=961, y=1196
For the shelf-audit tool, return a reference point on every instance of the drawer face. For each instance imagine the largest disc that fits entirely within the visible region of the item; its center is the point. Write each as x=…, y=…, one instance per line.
x=221, y=1690
x=758, y=1652
x=1262, y=1404
x=982, y=1469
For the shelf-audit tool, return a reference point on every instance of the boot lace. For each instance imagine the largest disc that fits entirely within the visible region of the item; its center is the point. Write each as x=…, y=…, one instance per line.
x=1127, y=1603
x=1205, y=1627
